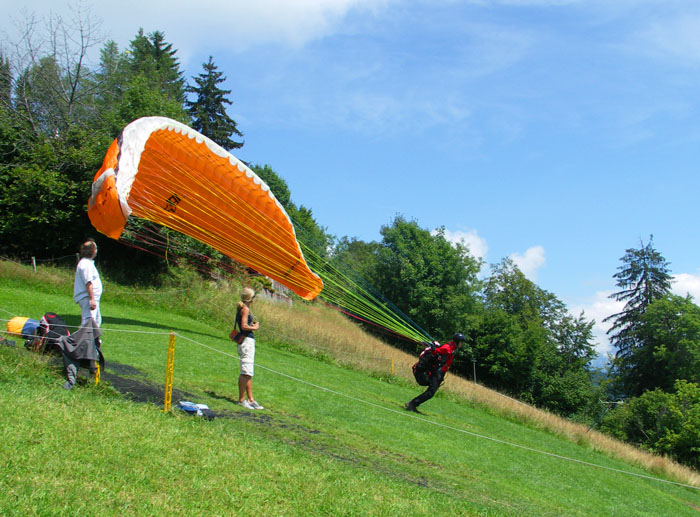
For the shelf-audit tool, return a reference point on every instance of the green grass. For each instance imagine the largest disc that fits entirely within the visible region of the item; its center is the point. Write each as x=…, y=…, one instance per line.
x=332, y=440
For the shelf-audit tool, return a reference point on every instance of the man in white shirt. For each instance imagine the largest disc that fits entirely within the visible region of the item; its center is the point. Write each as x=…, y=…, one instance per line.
x=87, y=288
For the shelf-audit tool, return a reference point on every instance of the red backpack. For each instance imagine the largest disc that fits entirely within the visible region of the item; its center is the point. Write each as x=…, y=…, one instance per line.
x=427, y=361
x=51, y=328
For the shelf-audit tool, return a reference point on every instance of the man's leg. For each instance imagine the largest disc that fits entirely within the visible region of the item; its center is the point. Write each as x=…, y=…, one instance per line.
x=97, y=315
x=71, y=372
x=435, y=381
x=86, y=312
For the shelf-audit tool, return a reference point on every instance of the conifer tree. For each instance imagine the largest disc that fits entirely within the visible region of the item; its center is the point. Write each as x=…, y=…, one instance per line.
x=155, y=59
x=643, y=277
x=5, y=82
x=208, y=110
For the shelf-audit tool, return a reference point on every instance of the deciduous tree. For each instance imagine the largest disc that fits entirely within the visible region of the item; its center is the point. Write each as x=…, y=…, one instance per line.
x=431, y=280
x=666, y=423
x=530, y=346
x=5, y=82
x=669, y=331
x=52, y=89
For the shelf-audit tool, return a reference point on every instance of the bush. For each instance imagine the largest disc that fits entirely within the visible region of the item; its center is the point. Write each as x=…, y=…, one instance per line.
x=665, y=423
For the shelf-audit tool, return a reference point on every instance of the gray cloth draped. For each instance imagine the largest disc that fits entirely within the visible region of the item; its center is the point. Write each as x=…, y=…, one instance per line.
x=81, y=346
x=83, y=343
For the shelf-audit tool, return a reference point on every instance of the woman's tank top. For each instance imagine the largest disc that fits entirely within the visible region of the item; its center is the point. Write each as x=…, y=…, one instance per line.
x=246, y=333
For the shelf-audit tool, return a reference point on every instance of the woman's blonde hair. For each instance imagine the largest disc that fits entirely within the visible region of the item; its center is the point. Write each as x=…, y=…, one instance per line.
x=247, y=295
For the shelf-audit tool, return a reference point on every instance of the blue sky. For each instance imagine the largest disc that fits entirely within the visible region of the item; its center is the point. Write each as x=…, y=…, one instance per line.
x=558, y=133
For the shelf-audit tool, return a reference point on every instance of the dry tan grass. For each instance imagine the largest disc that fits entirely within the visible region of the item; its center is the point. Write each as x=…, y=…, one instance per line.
x=323, y=330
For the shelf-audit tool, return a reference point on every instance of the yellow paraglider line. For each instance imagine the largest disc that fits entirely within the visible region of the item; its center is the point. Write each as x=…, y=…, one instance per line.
x=174, y=177
x=188, y=223
x=343, y=292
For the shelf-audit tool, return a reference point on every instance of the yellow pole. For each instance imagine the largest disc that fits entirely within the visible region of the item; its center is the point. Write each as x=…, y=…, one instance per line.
x=97, y=373
x=169, y=374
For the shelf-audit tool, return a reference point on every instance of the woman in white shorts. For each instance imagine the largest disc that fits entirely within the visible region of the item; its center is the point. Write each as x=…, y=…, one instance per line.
x=246, y=350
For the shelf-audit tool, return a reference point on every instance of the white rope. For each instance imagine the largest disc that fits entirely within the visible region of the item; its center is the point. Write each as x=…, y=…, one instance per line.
x=210, y=347
x=133, y=331
x=106, y=329
x=445, y=426
x=410, y=415
x=8, y=312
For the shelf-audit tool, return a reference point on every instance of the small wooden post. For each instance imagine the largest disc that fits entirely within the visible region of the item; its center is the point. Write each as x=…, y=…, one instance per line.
x=392, y=366
x=169, y=374
x=34, y=264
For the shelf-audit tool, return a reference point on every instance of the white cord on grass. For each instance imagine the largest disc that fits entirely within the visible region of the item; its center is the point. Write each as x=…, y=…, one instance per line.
x=445, y=426
x=422, y=419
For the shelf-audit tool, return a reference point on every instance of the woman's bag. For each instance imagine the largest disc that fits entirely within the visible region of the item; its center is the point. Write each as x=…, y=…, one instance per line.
x=236, y=336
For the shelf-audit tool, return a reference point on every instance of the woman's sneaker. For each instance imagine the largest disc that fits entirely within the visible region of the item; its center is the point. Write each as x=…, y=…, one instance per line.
x=255, y=405
x=245, y=404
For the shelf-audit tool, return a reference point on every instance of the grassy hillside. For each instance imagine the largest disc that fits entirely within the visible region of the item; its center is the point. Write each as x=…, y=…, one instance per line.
x=333, y=439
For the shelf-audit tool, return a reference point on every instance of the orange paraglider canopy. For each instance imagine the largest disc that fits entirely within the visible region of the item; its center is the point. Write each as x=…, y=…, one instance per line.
x=163, y=171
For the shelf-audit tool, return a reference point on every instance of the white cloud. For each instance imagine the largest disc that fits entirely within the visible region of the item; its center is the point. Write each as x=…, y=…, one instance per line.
x=234, y=24
x=476, y=244
x=686, y=283
x=530, y=261
x=677, y=38
x=207, y=25
x=598, y=308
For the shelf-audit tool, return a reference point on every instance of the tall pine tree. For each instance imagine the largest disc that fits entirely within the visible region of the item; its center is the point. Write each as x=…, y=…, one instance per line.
x=643, y=278
x=155, y=59
x=143, y=81
x=208, y=111
x=5, y=82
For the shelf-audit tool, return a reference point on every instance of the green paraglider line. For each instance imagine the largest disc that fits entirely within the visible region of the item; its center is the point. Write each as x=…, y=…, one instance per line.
x=355, y=316
x=347, y=296
x=354, y=298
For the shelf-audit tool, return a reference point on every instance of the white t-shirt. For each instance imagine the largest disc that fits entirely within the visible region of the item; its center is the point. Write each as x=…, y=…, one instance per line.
x=86, y=273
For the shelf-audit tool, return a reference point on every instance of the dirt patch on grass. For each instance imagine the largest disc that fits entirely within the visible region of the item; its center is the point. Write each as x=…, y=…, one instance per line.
x=132, y=383
x=135, y=386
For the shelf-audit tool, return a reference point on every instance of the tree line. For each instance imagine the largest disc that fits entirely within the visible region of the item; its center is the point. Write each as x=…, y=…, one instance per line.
x=58, y=115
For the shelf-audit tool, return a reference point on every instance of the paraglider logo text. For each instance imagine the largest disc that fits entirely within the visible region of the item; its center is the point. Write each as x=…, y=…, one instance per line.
x=171, y=203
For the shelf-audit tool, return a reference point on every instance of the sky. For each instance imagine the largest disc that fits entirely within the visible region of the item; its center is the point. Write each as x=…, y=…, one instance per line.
x=558, y=133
